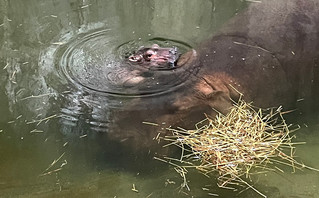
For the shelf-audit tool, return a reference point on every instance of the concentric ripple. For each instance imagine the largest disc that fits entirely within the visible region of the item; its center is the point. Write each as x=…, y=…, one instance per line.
x=97, y=62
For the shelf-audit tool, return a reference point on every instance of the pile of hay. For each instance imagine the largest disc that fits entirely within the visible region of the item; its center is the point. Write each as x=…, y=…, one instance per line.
x=246, y=141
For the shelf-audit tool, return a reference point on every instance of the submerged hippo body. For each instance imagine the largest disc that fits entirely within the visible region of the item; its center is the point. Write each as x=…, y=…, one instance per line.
x=268, y=53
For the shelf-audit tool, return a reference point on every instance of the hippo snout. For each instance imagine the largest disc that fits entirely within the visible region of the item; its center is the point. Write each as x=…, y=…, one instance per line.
x=155, y=57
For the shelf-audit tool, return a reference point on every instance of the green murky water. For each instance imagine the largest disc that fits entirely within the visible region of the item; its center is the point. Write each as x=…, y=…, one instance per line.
x=58, y=132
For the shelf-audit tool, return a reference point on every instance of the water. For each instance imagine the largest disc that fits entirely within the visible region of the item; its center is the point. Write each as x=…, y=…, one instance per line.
x=68, y=128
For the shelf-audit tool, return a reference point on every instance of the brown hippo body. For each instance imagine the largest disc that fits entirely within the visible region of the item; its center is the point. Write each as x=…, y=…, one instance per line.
x=268, y=53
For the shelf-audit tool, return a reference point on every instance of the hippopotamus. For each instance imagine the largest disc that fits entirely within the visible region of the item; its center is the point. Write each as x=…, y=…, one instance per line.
x=267, y=54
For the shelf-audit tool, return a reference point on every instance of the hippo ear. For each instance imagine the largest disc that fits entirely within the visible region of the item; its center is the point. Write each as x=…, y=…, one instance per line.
x=155, y=46
x=218, y=100
x=187, y=57
x=214, y=92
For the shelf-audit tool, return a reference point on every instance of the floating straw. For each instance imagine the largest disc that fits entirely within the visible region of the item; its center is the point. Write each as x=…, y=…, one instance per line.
x=242, y=143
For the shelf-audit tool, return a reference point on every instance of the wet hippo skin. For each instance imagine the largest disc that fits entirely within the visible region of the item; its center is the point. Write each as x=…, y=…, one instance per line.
x=268, y=52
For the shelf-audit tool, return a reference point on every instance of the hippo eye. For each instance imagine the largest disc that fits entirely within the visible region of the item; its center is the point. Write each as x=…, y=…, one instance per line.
x=149, y=54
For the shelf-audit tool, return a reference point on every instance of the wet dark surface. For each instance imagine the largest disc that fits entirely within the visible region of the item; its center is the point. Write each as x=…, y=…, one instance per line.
x=72, y=108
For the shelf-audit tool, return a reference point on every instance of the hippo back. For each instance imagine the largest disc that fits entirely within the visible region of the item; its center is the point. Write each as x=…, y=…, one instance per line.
x=268, y=52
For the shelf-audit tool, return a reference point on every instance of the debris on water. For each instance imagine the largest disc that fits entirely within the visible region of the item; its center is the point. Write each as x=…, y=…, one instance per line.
x=168, y=181
x=36, y=96
x=150, y=123
x=36, y=131
x=123, y=140
x=85, y=6
x=64, y=163
x=148, y=196
x=134, y=189
x=42, y=120
x=47, y=171
x=5, y=67
x=50, y=172
x=244, y=142
x=83, y=136
x=254, y=1
x=13, y=75
x=58, y=43
x=156, y=138
x=253, y=46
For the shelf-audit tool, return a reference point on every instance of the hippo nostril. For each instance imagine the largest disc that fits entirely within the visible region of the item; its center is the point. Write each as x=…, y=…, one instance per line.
x=135, y=58
x=173, y=50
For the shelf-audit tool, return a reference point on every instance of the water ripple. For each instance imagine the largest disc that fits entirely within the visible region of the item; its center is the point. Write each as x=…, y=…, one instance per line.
x=97, y=62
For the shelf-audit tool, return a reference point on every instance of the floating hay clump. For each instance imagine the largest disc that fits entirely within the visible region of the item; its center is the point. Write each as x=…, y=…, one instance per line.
x=246, y=141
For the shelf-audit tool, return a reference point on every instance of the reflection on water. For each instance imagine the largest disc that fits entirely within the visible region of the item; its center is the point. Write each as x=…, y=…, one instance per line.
x=71, y=127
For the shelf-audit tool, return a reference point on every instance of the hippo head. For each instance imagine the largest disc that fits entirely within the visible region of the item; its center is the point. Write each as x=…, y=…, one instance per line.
x=163, y=60
x=155, y=57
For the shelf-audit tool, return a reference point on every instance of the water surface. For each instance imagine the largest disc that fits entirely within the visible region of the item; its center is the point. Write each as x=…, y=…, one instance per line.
x=68, y=126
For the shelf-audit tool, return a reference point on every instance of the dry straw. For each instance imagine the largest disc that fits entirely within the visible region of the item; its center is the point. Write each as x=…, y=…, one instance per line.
x=244, y=142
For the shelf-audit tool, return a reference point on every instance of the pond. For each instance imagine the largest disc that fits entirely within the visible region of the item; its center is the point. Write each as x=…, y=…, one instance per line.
x=67, y=129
